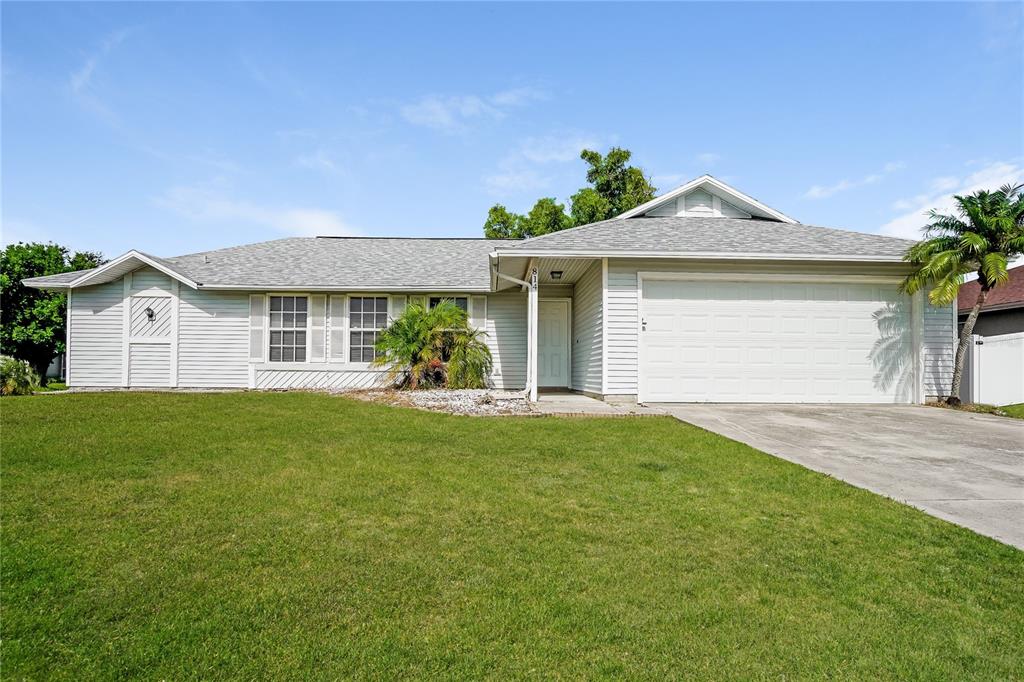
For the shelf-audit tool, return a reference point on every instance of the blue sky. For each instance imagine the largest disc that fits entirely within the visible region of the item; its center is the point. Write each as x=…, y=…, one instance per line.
x=174, y=128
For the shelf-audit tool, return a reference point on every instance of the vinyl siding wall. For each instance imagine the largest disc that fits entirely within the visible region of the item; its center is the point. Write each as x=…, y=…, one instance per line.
x=95, y=348
x=623, y=323
x=938, y=349
x=213, y=339
x=587, y=332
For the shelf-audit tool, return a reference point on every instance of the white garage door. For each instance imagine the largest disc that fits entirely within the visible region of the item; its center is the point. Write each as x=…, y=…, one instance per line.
x=761, y=341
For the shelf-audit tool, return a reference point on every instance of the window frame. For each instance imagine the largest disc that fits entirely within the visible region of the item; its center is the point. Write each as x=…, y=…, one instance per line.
x=360, y=364
x=281, y=364
x=468, y=297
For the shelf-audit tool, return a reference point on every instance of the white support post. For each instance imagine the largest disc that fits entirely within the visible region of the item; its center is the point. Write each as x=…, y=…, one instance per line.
x=532, y=330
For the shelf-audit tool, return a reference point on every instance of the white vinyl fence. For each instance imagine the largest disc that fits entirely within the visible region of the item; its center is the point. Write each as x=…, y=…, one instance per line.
x=994, y=370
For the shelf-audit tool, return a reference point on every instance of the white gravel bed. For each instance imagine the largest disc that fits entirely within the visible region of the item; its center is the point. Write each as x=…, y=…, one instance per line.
x=473, y=402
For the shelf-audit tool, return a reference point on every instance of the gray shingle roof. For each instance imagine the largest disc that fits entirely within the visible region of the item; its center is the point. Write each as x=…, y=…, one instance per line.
x=713, y=235
x=62, y=278
x=344, y=263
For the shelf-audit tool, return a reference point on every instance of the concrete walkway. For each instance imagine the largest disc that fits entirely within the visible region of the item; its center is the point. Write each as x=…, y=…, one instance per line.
x=962, y=467
x=563, y=403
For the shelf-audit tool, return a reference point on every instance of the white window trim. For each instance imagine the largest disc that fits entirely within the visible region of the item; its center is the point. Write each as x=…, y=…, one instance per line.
x=347, y=336
x=266, y=312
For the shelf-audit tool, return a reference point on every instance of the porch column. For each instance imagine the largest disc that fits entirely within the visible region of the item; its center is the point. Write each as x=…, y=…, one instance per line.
x=531, y=342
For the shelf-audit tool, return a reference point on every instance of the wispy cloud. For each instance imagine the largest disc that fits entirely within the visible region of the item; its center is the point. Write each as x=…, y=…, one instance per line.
x=940, y=196
x=318, y=160
x=80, y=81
x=207, y=205
x=708, y=158
x=453, y=113
x=825, y=191
x=520, y=169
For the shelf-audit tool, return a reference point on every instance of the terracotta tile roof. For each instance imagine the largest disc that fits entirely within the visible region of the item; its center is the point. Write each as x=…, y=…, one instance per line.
x=1009, y=295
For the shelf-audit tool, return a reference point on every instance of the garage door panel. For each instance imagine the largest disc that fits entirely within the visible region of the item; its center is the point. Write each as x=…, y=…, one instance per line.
x=774, y=342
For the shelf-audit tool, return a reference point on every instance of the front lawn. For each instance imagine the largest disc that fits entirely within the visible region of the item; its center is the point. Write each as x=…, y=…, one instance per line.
x=170, y=536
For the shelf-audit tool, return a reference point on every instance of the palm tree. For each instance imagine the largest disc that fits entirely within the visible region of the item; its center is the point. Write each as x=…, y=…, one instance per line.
x=434, y=348
x=985, y=235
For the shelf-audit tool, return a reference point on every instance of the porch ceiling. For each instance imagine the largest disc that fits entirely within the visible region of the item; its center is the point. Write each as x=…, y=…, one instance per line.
x=571, y=268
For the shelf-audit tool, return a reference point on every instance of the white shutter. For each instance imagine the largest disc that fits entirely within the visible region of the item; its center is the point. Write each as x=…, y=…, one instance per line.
x=478, y=312
x=318, y=329
x=417, y=300
x=397, y=306
x=337, y=329
x=257, y=327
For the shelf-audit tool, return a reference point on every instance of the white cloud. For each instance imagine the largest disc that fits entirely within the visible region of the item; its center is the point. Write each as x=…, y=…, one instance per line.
x=825, y=191
x=514, y=181
x=318, y=160
x=708, y=158
x=208, y=206
x=557, y=148
x=452, y=113
x=992, y=176
x=81, y=78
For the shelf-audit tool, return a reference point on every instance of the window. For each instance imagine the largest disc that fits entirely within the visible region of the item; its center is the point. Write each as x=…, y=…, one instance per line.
x=366, y=315
x=288, y=328
x=460, y=301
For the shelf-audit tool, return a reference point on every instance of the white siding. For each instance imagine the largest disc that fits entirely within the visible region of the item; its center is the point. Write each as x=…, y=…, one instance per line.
x=213, y=339
x=149, y=364
x=698, y=203
x=939, y=346
x=149, y=280
x=586, y=331
x=622, y=321
x=319, y=378
x=95, y=346
x=506, y=337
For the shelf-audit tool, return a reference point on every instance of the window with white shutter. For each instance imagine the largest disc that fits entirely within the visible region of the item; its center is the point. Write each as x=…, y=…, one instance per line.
x=478, y=312
x=257, y=327
x=337, y=322
x=318, y=329
x=397, y=306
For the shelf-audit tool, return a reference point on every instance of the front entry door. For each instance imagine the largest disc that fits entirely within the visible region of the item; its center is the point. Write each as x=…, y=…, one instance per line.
x=553, y=343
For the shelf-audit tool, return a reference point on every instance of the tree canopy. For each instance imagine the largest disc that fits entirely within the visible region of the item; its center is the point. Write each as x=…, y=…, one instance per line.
x=615, y=187
x=984, y=235
x=32, y=322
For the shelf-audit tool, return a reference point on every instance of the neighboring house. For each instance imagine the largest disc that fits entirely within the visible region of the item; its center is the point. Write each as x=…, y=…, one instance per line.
x=1003, y=312
x=702, y=294
x=994, y=364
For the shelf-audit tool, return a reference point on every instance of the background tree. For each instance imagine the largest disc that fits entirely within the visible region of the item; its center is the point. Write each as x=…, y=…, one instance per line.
x=983, y=237
x=32, y=322
x=615, y=188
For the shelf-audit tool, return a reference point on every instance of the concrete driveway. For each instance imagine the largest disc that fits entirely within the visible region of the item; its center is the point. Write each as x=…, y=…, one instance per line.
x=962, y=467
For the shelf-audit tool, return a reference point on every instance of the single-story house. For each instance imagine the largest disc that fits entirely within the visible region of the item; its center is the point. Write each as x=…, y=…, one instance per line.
x=702, y=294
x=1003, y=311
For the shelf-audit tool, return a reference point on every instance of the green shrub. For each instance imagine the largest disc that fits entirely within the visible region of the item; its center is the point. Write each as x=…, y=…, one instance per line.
x=16, y=377
x=434, y=348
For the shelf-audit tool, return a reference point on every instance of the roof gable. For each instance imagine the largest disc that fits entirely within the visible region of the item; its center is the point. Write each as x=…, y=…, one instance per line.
x=706, y=197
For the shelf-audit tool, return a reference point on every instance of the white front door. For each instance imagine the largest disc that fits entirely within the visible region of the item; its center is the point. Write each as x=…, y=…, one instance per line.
x=774, y=342
x=553, y=343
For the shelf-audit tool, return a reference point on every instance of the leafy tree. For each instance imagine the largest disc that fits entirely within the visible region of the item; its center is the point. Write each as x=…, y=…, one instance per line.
x=32, y=322
x=615, y=188
x=986, y=233
x=434, y=348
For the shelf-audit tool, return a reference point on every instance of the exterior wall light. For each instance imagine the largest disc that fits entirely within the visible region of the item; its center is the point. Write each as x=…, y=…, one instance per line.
x=556, y=274
x=150, y=314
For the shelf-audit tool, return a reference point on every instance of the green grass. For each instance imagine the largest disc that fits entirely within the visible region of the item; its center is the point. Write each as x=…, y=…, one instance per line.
x=171, y=536
x=1016, y=411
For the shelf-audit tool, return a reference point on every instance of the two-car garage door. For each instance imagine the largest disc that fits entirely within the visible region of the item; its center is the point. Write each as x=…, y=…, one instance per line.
x=774, y=341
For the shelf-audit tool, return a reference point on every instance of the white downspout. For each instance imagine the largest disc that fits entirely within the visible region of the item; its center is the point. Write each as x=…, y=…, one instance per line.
x=532, y=334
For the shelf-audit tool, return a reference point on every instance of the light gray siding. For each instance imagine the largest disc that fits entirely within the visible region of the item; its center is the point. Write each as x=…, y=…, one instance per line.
x=939, y=347
x=622, y=321
x=586, y=331
x=95, y=344
x=148, y=279
x=149, y=364
x=213, y=339
x=506, y=337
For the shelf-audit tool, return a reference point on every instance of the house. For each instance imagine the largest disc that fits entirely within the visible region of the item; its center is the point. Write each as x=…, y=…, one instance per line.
x=702, y=294
x=1003, y=312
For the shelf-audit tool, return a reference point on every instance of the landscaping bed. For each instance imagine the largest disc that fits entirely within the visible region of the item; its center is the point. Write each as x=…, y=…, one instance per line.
x=471, y=402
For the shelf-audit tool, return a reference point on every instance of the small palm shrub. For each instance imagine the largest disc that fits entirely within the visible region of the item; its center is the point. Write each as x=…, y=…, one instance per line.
x=17, y=377
x=434, y=348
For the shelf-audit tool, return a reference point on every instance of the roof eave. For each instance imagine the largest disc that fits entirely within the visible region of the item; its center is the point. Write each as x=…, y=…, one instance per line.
x=698, y=255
